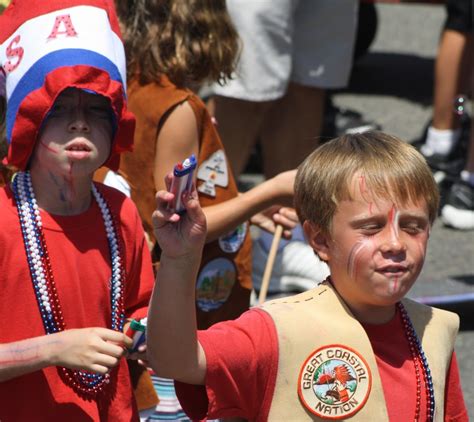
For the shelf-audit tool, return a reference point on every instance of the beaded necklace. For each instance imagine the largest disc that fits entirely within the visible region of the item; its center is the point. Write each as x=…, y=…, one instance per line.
x=421, y=365
x=419, y=362
x=86, y=383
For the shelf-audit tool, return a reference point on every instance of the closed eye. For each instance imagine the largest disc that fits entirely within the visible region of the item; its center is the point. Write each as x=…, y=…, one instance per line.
x=370, y=229
x=413, y=228
x=99, y=109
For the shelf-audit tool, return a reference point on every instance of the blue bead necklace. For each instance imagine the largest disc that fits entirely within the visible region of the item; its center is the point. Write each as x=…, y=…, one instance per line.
x=86, y=383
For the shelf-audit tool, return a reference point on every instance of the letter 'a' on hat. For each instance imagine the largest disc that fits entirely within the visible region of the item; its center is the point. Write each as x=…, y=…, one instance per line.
x=48, y=46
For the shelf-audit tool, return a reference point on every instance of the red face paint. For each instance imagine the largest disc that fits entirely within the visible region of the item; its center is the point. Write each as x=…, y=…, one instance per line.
x=53, y=150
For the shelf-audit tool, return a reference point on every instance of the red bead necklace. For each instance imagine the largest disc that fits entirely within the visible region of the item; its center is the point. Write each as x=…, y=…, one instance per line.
x=420, y=364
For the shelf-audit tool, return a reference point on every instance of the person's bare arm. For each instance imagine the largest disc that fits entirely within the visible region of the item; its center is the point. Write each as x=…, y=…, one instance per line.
x=226, y=216
x=178, y=138
x=173, y=349
x=92, y=349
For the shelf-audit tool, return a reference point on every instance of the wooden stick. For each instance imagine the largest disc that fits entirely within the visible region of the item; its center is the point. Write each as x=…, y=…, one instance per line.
x=270, y=261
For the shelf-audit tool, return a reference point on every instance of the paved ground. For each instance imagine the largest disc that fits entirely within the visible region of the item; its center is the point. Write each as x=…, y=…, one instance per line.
x=392, y=85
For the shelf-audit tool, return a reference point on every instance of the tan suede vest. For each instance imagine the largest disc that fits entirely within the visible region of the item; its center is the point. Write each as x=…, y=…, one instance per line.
x=224, y=282
x=319, y=319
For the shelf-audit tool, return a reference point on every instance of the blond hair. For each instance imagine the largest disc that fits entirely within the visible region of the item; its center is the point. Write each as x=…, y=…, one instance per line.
x=391, y=168
x=189, y=41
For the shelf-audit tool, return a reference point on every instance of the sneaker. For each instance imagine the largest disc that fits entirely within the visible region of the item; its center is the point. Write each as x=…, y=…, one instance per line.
x=296, y=269
x=446, y=168
x=459, y=209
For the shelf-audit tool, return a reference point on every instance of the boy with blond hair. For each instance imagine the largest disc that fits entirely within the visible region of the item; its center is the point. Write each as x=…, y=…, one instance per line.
x=352, y=348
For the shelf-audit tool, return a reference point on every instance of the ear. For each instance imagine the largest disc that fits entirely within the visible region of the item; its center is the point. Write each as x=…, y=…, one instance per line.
x=317, y=240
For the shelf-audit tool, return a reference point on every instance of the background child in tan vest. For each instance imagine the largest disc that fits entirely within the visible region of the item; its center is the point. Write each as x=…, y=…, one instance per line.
x=353, y=347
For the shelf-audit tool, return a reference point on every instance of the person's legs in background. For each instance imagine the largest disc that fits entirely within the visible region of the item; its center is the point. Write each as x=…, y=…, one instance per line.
x=239, y=123
x=291, y=128
x=444, y=146
x=450, y=81
x=458, y=212
x=304, y=47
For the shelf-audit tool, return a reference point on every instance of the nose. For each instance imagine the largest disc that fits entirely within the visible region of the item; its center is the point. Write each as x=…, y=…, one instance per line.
x=78, y=121
x=392, y=243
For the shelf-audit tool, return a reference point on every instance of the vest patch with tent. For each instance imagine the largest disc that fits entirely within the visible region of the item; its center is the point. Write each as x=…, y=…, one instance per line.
x=213, y=172
x=334, y=382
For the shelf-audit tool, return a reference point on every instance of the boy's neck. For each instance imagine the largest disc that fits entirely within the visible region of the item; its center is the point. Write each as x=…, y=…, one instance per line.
x=373, y=314
x=363, y=312
x=61, y=195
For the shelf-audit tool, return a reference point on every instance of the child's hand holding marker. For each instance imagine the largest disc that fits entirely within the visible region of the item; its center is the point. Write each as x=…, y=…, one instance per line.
x=179, y=223
x=137, y=332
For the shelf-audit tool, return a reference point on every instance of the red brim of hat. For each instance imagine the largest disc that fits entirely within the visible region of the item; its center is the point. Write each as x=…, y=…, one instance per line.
x=36, y=105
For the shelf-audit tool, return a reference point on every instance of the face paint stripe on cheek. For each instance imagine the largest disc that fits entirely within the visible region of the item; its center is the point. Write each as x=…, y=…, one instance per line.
x=53, y=150
x=352, y=262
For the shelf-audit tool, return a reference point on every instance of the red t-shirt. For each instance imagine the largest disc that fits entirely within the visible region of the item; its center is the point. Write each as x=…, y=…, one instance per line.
x=80, y=260
x=245, y=387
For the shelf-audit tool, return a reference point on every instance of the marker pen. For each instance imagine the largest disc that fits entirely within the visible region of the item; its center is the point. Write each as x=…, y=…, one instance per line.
x=182, y=182
x=137, y=332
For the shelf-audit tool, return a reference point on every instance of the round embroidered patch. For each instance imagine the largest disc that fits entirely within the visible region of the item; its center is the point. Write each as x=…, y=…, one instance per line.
x=334, y=382
x=214, y=284
x=231, y=242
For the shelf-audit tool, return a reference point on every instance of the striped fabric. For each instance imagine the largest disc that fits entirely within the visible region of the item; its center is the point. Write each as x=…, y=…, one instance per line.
x=169, y=408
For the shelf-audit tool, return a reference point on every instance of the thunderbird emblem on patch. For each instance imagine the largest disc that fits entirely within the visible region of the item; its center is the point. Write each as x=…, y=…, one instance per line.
x=334, y=382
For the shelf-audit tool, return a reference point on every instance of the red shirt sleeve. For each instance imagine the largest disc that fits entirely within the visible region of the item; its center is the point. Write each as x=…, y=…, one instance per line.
x=242, y=361
x=454, y=406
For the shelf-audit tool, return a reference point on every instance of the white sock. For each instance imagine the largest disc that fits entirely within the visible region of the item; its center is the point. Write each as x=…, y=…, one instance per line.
x=440, y=141
x=468, y=177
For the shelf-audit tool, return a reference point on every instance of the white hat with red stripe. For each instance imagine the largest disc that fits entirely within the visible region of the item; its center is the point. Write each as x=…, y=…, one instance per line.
x=48, y=46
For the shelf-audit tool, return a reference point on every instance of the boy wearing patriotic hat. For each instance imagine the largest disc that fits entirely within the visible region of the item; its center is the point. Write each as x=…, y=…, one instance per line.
x=353, y=348
x=74, y=264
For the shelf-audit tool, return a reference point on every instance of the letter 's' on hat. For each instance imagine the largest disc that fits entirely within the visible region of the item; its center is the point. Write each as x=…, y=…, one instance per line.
x=48, y=46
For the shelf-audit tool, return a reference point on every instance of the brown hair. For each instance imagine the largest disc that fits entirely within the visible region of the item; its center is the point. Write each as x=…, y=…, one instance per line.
x=391, y=168
x=189, y=41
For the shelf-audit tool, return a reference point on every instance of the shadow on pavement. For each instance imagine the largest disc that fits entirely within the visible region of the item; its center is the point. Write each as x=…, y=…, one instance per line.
x=395, y=75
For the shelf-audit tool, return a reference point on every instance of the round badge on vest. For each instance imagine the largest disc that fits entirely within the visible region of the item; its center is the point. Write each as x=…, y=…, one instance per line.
x=334, y=382
x=214, y=284
x=231, y=242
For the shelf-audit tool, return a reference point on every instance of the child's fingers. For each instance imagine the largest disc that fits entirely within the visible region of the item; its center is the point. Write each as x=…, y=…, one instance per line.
x=193, y=208
x=112, y=336
x=163, y=198
x=162, y=214
x=115, y=350
x=289, y=213
x=107, y=361
x=286, y=217
x=168, y=180
x=143, y=363
x=100, y=369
